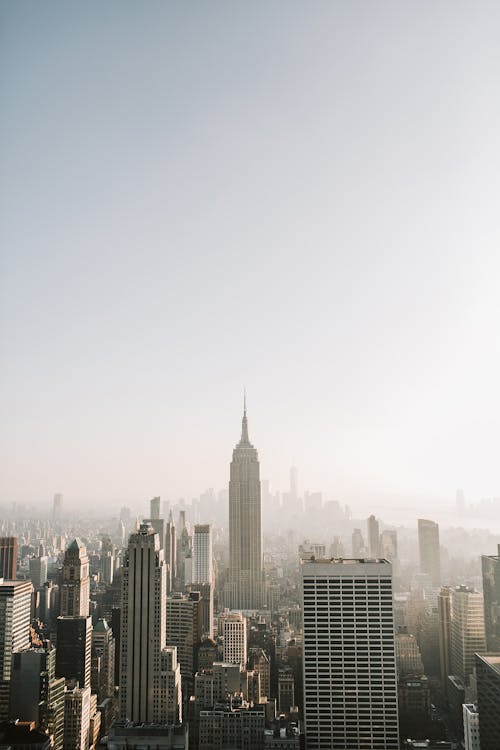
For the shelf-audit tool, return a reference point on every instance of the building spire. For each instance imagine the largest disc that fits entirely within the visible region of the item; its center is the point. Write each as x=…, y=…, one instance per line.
x=244, y=423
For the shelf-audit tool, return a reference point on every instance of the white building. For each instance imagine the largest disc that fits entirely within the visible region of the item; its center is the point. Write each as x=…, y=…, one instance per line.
x=471, y=726
x=202, y=554
x=77, y=719
x=350, y=684
x=15, y=618
x=234, y=633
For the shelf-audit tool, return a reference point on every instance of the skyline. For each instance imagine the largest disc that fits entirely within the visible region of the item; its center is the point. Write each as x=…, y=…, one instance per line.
x=194, y=199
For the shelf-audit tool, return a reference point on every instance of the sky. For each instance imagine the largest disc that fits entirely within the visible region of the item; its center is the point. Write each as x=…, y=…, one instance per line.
x=299, y=198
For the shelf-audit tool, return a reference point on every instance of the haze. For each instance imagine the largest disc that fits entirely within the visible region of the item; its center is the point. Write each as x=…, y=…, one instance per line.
x=299, y=198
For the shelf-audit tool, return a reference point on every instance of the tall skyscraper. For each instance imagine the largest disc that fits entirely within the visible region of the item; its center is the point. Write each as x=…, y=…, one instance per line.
x=202, y=554
x=491, y=590
x=143, y=627
x=154, y=504
x=349, y=665
x=77, y=713
x=372, y=528
x=171, y=552
x=75, y=589
x=15, y=618
x=57, y=506
x=467, y=630
x=245, y=588
x=184, y=628
x=103, y=661
x=171, y=686
x=428, y=545
x=444, y=634
x=8, y=557
x=38, y=570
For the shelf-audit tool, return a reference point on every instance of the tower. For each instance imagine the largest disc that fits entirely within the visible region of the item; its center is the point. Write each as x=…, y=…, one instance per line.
x=245, y=588
x=74, y=649
x=373, y=536
x=15, y=618
x=202, y=554
x=143, y=625
x=466, y=631
x=349, y=668
x=8, y=557
x=75, y=588
x=154, y=504
x=428, y=545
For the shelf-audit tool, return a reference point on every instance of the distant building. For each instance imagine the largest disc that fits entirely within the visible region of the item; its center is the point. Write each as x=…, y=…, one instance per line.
x=38, y=570
x=15, y=618
x=155, y=508
x=467, y=630
x=373, y=535
x=8, y=557
x=430, y=554
x=491, y=591
x=444, y=634
x=75, y=589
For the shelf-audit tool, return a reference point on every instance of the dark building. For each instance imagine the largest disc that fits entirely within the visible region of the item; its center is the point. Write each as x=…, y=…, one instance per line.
x=8, y=557
x=491, y=591
x=74, y=648
x=488, y=700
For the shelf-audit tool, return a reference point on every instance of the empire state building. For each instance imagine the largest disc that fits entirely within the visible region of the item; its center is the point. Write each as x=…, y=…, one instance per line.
x=245, y=587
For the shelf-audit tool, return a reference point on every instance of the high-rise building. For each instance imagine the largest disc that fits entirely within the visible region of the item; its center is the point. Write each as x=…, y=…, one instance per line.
x=143, y=627
x=245, y=588
x=357, y=543
x=8, y=557
x=74, y=649
x=57, y=506
x=107, y=560
x=491, y=591
x=15, y=618
x=444, y=634
x=349, y=665
x=471, y=727
x=36, y=695
x=103, y=661
x=389, y=545
x=428, y=545
x=77, y=711
x=408, y=656
x=171, y=686
x=154, y=505
x=373, y=534
x=184, y=628
x=171, y=552
x=202, y=554
x=466, y=630
x=75, y=587
x=206, y=592
x=234, y=635
x=488, y=700
x=38, y=570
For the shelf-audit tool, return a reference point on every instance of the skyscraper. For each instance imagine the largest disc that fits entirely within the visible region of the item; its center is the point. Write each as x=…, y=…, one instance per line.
x=15, y=617
x=245, y=588
x=428, y=545
x=234, y=634
x=373, y=534
x=75, y=588
x=202, y=554
x=155, y=507
x=491, y=590
x=8, y=557
x=488, y=700
x=349, y=666
x=466, y=630
x=74, y=649
x=143, y=627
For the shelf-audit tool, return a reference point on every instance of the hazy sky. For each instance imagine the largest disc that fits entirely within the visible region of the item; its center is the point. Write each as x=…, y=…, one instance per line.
x=299, y=197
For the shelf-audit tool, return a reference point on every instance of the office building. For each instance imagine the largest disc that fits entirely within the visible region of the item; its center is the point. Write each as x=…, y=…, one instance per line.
x=373, y=534
x=466, y=631
x=488, y=700
x=408, y=656
x=357, y=543
x=206, y=592
x=38, y=570
x=491, y=591
x=184, y=628
x=57, y=506
x=107, y=566
x=74, y=649
x=471, y=727
x=171, y=687
x=103, y=661
x=75, y=587
x=143, y=626
x=444, y=634
x=349, y=665
x=154, y=506
x=171, y=552
x=286, y=690
x=15, y=618
x=8, y=558
x=77, y=712
x=245, y=588
x=36, y=694
x=428, y=545
x=202, y=554
x=234, y=635
x=128, y=736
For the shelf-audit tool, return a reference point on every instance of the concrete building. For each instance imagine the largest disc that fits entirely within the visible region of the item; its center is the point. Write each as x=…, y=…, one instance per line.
x=430, y=554
x=444, y=634
x=467, y=631
x=36, y=695
x=38, y=570
x=234, y=634
x=103, y=661
x=202, y=554
x=171, y=686
x=129, y=736
x=77, y=711
x=143, y=627
x=488, y=700
x=491, y=591
x=75, y=587
x=233, y=725
x=184, y=628
x=349, y=665
x=471, y=727
x=154, y=511
x=373, y=535
x=245, y=588
x=286, y=690
x=8, y=557
x=408, y=656
x=15, y=618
